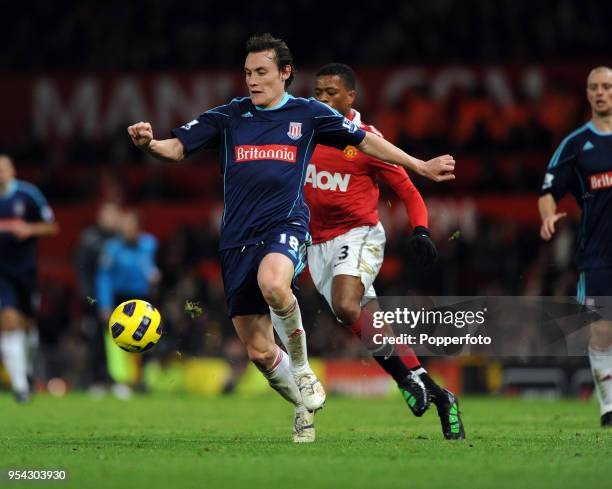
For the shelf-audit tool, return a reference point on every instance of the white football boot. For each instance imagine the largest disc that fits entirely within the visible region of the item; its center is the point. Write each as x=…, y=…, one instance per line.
x=313, y=394
x=303, y=426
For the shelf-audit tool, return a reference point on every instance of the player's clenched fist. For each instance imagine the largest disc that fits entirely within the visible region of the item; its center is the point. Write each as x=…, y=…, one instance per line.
x=141, y=134
x=165, y=149
x=439, y=169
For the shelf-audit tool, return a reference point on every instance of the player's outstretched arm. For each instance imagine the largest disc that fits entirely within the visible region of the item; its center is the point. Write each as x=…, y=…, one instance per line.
x=548, y=212
x=24, y=230
x=421, y=243
x=162, y=149
x=438, y=169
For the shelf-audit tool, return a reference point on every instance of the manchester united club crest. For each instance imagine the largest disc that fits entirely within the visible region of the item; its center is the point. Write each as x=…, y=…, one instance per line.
x=295, y=130
x=350, y=152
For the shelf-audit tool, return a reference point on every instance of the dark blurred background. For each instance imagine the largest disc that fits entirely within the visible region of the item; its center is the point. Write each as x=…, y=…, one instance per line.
x=161, y=35
x=497, y=84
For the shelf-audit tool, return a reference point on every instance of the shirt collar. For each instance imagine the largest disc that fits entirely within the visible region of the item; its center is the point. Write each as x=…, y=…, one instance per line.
x=284, y=100
x=597, y=131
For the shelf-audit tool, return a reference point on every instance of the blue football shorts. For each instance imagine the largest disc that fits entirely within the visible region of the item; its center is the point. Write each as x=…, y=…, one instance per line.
x=240, y=266
x=17, y=294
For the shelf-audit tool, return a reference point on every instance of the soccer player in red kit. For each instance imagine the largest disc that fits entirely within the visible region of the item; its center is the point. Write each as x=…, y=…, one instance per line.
x=341, y=190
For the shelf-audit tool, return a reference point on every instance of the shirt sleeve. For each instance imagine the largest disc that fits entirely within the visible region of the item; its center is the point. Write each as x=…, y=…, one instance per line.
x=559, y=176
x=202, y=133
x=38, y=209
x=333, y=129
x=397, y=178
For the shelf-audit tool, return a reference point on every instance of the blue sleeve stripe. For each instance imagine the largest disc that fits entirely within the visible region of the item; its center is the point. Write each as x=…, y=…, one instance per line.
x=33, y=192
x=332, y=110
x=301, y=184
x=238, y=99
x=303, y=99
x=213, y=111
x=556, y=157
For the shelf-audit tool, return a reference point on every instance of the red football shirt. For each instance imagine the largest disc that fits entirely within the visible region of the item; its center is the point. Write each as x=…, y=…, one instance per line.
x=341, y=189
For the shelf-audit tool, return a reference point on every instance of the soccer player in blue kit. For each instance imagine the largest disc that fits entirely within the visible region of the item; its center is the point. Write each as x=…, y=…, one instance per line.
x=582, y=165
x=25, y=216
x=265, y=142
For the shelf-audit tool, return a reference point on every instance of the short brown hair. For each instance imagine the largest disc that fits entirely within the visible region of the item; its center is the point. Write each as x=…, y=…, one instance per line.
x=265, y=42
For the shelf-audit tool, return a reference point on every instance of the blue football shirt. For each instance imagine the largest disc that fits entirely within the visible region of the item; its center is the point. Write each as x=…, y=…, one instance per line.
x=125, y=269
x=263, y=156
x=22, y=201
x=582, y=165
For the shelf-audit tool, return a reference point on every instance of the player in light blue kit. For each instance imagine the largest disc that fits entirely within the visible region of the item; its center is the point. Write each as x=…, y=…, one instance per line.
x=582, y=165
x=265, y=142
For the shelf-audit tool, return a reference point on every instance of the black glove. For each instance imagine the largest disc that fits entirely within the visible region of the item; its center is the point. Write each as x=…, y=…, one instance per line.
x=423, y=247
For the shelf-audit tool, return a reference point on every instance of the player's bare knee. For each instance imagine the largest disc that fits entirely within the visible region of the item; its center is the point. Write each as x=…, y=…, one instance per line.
x=347, y=311
x=262, y=358
x=275, y=291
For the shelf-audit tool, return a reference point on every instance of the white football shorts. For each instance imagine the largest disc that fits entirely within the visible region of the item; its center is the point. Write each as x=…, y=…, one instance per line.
x=359, y=253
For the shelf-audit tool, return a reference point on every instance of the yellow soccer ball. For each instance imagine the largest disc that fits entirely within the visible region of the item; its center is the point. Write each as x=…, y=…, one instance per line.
x=135, y=326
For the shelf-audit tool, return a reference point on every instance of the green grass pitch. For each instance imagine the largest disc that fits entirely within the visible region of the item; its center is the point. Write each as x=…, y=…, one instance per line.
x=194, y=442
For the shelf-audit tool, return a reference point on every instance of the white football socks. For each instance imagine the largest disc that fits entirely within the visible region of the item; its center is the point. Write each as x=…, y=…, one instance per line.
x=601, y=366
x=32, y=345
x=288, y=325
x=13, y=348
x=420, y=371
x=280, y=378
